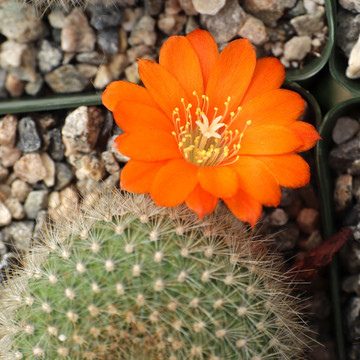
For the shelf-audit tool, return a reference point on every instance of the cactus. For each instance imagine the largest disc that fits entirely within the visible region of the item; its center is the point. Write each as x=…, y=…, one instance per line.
x=123, y=279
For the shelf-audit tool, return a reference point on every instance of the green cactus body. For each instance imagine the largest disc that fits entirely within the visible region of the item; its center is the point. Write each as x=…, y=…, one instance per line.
x=123, y=279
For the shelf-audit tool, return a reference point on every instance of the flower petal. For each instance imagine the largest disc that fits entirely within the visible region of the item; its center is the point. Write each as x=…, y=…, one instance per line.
x=173, y=183
x=148, y=145
x=244, y=207
x=276, y=107
x=231, y=75
x=137, y=176
x=219, y=181
x=269, y=140
x=206, y=50
x=269, y=74
x=201, y=202
x=125, y=91
x=132, y=116
x=163, y=87
x=307, y=133
x=290, y=170
x=257, y=180
x=179, y=58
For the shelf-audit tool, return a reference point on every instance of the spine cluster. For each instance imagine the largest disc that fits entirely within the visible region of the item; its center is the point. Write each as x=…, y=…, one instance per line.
x=123, y=279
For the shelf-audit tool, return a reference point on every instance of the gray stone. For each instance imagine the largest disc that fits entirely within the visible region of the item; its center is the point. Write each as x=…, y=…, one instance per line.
x=143, y=32
x=269, y=11
x=288, y=4
x=350, y=256
x=66, y=79
x=33, y=87
x=5, y=215
x=20, y=23
x=131, y=17
x=347, y=31
x=110, y=162
x=19, y=60
x=351, y=284
x=49, y=56
x=76, y=34
x=63, y=175
x=29, y=139
x=20, y=190
x=81, y=130
x=352, y=5
x=19, y=233
x=103, y=16
x=92, y=57
x=353, y=69
x=308, y=24
x=56, y=147
x=342, y=156
x=208, y=7
x=8, y=126
x=15, y=207
x=225, y=25
x=30, y=168
x=37, y=200
x=103, y=77
x=254, y=30
x=343, y=192
x=88, y=166
x=278, y=217
x=297, y=10
x=297, y=48
x=153, y=7
x=86, y=70
x=191, y=25
x=344, y=129
x=108, y=39
x=188, y=7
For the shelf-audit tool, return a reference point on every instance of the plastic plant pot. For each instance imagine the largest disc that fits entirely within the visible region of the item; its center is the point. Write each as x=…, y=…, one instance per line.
x=327, y=205
x=338, y=64
x=315, y=65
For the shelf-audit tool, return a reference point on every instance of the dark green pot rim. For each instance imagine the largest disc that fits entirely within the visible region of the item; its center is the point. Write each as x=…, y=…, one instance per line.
x=316, y=64
x=325, y=189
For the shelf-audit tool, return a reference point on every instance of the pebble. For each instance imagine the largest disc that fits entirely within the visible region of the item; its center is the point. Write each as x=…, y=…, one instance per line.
x=33, y=87
x=352, y=5
x=117, y=65
x=56, y=18
x=104, y=16
x=56, y=147
x=14, y=86
x=49, y=56
x=118, y=156
x=153, y=7
x=4, y=173
x=30, y=168
x=278, y=217
x=350, y=256
x=8, y=126
x=353, y=69
x=62, y=203
x=308, y=220
x=15, y=207
x=108, y=40
x=313, y=241
x=103, y=77
x=208, y=7
x=269, y=11
x=5, y=215
x=110, y=162
x=20, y=190
x=81, y=129
x=173, y=7
x=254, y=30
x=63, y=175
x=143, y=32
x=66, y=79
x=344, y=129
x=9, y=155
x=29, y=139
x=91, y=57
x=86, y=70
x=3, y=75
x=308, y=24
x=36, y=200
x=132, y=74
x=352, y=315
x=88, y=166
x=342, y=156
x=351, y=284
x=76, y=34
x=347, y=31
x=288, y=236
x=49, y=165
x=297, y=48
x=225, y=25
x=166, y=23
x=343, y=192
x=19, y=233
x=187, y=6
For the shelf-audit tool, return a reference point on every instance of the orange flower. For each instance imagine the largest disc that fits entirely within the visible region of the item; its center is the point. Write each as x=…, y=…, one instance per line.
x=209, y=126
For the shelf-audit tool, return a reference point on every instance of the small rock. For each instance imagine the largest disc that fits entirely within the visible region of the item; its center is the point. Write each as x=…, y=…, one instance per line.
x=153, y=7
x=308, y=24
x=118, y=156
x=15, y=207
x=350, y=255
x=173, y=7
x=110, y=162
x=351, y=284
x=254, y=30
x=143, y=32
x=343, y=192
x=49, y=56
x=347, y=31
x=113, y=179
x=278, y=217
x=88, y=166
x=63, y=175
x=225, y=25
x=8, y=126
x=117, y=65
x=37, y=200
x=3, y=75
x=81, y=129
x=86, y=70
x=297, y=48
x=352, y=316
x=30, y=168
x=9, y=155
x=342, y=156
x=20, y=190
x=56, y=18
x=313, y=241
x=33, y=87
x=187, y=6
x=66, y=79
x=76, y=34
x=287, y=237
x=4, y=173
x=131, y=17
x=92, y=58
x=191, y=25
x=344, y=129
x=62, y=203
x=108, y=39
x=131, y=73
x=19, y=233
x=138, y=51
x=353, y=69
x=103, y=77
x=269, y=11
x=298, y=9
x=5, y=215
x=56, y=147
x=103, y=16
x=14, y=86
x=29, y=139
x=49, y=165
x=166, y=23
x=208, y=7
x=308, y=220
x=352, y=5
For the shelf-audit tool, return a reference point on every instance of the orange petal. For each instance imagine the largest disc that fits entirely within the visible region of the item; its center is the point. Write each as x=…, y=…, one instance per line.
x=206, y=50
x=201, y=202
x=124, y=91
x=137, y=176
x=269, y=140
x=276, y=107
x=179, y=58
x=307, y=133
x=132, y=116
x=290, y=170
x=148, y=145
x=173, y=183
x=219, y=181
x=257, y=180
x=244, y=207
x=231, y=75
x=269, y=74
x=163, y=87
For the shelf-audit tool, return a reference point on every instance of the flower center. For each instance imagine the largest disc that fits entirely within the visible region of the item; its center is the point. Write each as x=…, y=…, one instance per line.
x=203, y=142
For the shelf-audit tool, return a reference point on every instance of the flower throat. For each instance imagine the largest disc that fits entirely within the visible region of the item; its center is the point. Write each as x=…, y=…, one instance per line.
x=203, y=142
